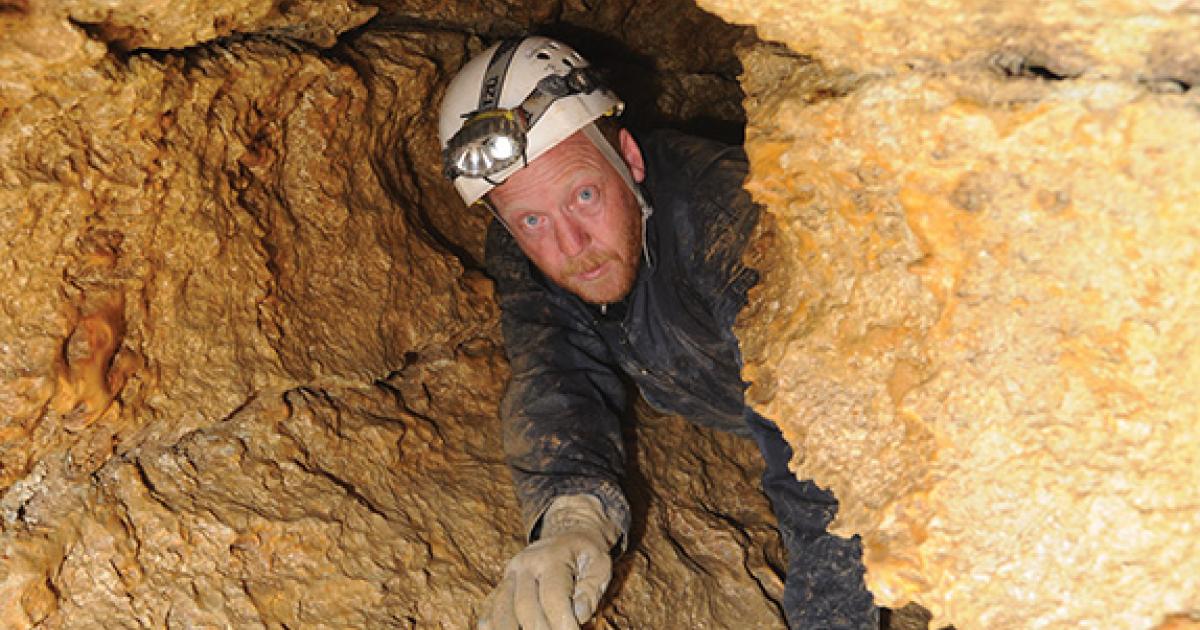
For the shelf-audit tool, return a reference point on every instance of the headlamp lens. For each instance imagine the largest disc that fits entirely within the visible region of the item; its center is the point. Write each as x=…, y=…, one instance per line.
x=501, y=147
x=489, y=142
x=473, y=159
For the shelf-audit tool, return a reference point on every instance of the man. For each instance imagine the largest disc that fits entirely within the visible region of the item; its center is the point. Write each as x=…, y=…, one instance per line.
x=615, y=261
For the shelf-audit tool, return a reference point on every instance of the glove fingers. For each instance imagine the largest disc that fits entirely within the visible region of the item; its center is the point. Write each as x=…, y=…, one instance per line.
x=555, y=586
x=528, y=605
x=498, y=613
x=594, y=574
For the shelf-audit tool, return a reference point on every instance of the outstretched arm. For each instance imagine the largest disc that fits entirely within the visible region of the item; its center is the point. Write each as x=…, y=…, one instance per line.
x=561, y=411
x=562, y=440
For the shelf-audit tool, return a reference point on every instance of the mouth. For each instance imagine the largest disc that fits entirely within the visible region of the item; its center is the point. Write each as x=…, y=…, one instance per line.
x=594, y=273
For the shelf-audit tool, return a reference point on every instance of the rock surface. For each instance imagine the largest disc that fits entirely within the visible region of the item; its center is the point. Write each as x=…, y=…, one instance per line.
x=248, y=362
x=978, y=317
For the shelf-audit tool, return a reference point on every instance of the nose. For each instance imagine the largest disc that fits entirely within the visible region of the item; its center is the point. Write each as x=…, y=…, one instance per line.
x=572, y=236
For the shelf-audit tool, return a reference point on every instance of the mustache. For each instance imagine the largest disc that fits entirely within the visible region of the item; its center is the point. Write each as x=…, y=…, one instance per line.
x=587, y=262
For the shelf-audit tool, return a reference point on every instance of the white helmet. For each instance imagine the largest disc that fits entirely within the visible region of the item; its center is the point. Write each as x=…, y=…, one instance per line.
x=511, y=103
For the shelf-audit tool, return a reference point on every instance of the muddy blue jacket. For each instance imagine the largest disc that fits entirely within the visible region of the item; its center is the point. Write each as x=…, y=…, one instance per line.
x=573, y=366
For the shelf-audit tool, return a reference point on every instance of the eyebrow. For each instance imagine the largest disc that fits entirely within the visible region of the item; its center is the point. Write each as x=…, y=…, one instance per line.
x=573, y=178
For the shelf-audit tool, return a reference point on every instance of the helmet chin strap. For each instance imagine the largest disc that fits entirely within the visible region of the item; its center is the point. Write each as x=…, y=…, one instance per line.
x=610, y=153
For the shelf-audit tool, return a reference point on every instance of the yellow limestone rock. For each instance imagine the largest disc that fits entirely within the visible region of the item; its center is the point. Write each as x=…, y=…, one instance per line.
x=978, y=318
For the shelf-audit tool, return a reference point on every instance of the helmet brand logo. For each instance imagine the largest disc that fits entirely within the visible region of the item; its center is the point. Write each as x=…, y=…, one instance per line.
x=491, y=93
x=497, y=69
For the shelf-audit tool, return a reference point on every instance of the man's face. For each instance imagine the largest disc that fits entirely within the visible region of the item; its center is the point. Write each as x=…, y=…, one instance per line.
x=574, y=217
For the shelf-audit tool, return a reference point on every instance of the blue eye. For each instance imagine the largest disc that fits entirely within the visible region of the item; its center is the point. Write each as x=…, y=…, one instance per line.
x=587, y=193
x=531, y=221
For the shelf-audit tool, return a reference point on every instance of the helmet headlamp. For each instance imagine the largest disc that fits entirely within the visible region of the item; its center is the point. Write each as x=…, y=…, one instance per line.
x=491, y=140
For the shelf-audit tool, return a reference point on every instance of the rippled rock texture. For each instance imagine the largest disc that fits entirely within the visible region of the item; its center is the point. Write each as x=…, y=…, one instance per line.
x=248, y=361
x=978, y=323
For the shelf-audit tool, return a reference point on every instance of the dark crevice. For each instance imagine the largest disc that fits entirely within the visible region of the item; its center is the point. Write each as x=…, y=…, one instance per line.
x=349, y=488
x=1166, y=85
x=1042, y=72
x=682, y=554
x=232, y=43
x=112, y=38
x=408, y=23
x=1014, y=65
x=432, y=423
x=152, y=489
x=117, y=39
x=639, y=78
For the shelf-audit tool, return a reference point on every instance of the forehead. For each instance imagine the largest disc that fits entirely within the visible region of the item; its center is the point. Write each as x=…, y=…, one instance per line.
x=565, y=164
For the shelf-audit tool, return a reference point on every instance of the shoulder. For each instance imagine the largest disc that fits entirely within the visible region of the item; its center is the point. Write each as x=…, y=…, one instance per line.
x=697, y=182
x=692, y=160
x=697, y=179
x=706, y=212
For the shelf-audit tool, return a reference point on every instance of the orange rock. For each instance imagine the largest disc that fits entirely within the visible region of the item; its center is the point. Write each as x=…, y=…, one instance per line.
x=973, y=349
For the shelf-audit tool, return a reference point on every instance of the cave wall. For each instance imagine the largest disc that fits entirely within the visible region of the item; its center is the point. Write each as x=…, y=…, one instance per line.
x=977, y=323
x=249, y=363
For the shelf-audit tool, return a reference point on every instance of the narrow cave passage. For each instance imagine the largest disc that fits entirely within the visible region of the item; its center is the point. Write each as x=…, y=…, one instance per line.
x=250, y=358
x=259, y=356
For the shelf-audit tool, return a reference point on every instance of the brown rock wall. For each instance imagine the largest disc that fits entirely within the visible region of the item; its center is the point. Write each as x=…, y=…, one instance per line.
x=196, y=203
x=191, y=239
x=249, y=365
x=697, y=505
x=976, y=323
x=1137, y=40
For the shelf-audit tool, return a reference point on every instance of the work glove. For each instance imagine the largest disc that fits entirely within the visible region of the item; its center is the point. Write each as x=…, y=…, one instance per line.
x=556, y=582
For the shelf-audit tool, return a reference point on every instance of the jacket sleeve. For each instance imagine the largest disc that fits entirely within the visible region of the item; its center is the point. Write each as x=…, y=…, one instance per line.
x=561, y=412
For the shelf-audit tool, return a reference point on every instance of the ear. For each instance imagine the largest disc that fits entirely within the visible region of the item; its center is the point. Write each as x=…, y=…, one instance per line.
x=633, y=155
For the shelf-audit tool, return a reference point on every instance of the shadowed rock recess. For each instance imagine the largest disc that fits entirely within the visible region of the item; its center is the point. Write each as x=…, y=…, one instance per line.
x=249, y=362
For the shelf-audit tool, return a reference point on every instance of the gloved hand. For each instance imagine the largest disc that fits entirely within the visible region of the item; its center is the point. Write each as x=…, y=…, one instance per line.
x=556, y=582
